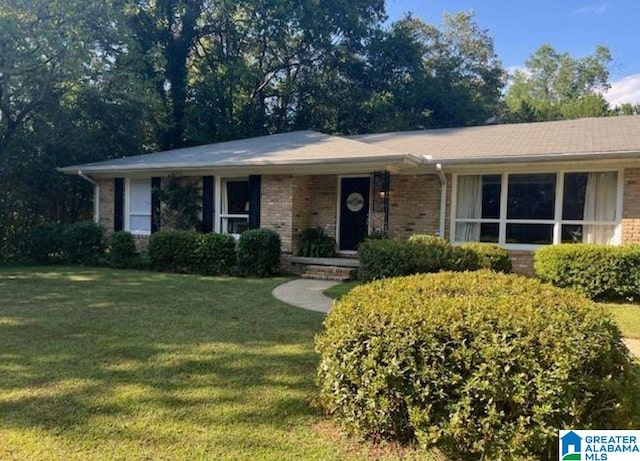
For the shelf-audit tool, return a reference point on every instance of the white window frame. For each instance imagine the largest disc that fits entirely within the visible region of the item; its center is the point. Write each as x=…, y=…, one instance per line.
x=557, y=221
x=127, y=207
x=221, y=205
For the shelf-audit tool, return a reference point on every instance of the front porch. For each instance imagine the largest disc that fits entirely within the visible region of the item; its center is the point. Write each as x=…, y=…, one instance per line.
x=350, y=207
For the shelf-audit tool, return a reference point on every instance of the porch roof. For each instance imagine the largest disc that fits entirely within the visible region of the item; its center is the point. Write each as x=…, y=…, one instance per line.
x=298, y=148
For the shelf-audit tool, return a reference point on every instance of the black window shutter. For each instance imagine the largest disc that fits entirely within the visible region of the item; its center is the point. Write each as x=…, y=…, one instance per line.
x=156, y=185
x=118, y=204
x=207, y=204
x=254, y=201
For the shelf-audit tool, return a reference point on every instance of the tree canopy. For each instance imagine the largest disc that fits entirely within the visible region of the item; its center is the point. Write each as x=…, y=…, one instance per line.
x=555, y=86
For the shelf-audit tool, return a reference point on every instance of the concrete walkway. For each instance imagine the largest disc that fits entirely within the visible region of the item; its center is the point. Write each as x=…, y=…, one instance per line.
x=306, y=294
x=633, y=345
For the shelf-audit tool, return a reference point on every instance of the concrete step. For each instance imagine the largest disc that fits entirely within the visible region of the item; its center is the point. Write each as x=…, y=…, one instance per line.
x=331, y=278
x=338, y=274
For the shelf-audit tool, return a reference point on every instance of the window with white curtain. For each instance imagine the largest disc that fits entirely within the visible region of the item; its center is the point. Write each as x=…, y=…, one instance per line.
x=589, y=208
x=537, y=209
x=234, y=210
x=478, y=208
x=138, y=218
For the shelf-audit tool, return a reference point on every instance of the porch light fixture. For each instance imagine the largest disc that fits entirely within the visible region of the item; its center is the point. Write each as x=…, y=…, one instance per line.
x=381, y=191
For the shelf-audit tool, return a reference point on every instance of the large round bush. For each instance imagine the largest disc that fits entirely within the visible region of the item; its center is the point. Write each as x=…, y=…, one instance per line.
x=479, y=364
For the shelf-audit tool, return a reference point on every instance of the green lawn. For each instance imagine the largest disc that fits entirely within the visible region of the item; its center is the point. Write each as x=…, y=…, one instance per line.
x=338, y=291
x=123, y=365
x=627, y=316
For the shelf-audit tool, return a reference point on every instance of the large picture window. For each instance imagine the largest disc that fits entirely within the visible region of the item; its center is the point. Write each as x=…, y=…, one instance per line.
x=234, y=211
x=138, y=217
x=537, y=209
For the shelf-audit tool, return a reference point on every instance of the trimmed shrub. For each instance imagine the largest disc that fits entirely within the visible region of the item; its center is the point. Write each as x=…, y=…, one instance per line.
x=214, y=254
x=258, y=253
x=315, y=243
x=479, y=364
x=429, y=239
x=597, y=271
x=430, y=253
x=83, y=243
x=423, y=254
x=172, y=251
x=122, y=249
x=488, y=256
x=383, y=258
x=43, y=243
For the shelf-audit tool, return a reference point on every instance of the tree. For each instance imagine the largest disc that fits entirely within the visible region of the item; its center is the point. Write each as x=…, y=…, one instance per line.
x=557, y=86
x=220, y=64
x=411, y=76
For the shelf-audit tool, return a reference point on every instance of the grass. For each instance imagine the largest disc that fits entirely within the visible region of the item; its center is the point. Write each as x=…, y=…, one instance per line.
x=99, y=364
x=338, y=291
x=627, y=316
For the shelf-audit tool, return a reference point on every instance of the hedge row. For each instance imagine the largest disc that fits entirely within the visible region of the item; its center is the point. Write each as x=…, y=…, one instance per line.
x=256, y=253
x=490, y=373
x=51, y=243
x=596, y=271
x=383, y=258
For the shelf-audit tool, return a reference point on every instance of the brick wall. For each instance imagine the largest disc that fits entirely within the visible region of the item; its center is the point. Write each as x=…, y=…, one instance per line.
x=324, y=199
x=414, y=205
x=301, y=207
x=631, y=206
x=522, y=262
x=276, y=207
x=106, y=204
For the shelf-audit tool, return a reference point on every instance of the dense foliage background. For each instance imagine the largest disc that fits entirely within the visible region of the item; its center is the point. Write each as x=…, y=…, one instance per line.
x=88, y=80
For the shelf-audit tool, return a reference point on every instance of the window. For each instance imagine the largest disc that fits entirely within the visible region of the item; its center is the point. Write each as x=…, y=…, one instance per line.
x=138, y=215
x=589, y=208
x=478, y=208
x=537, y=209
x=234, y=210
x=530, y=208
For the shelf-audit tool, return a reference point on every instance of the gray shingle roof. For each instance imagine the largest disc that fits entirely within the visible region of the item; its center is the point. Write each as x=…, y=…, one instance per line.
x=295, y=148
x=583, y=136
x=589, y=138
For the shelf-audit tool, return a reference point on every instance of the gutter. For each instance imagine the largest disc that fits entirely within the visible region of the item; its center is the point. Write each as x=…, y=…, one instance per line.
x=96, y=196
x=390, y=158
x=443, y=199
x=535, y=158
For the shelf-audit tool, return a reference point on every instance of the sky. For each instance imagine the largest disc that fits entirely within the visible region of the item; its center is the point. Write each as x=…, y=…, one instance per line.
x=520, y=27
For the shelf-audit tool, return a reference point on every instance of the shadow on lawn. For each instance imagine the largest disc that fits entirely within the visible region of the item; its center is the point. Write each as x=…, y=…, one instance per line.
x=76, y=345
